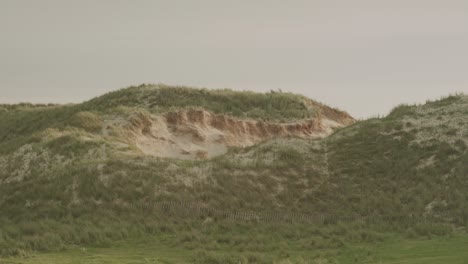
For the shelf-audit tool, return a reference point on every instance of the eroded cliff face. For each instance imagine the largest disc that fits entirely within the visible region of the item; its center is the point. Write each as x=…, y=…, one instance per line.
x=199, y=134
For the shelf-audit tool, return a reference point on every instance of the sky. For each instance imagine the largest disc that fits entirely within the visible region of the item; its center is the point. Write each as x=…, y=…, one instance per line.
x=362, y=56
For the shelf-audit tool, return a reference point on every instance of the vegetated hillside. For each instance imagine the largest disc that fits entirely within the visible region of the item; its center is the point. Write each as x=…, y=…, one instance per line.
x=160, y=98
x=414, y=162
x=64, y=181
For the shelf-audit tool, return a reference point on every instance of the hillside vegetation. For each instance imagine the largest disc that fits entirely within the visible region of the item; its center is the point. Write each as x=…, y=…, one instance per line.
x=290, y=198
x=162, y=98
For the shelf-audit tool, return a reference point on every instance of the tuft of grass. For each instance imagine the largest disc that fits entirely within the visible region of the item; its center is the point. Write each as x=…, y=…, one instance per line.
x=86, y=120
x=401, y=111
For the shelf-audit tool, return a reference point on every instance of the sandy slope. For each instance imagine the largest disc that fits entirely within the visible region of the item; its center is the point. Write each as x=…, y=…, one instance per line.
x=192, y=134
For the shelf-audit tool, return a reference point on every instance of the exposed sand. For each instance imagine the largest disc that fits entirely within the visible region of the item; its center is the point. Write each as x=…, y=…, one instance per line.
x=198, y=134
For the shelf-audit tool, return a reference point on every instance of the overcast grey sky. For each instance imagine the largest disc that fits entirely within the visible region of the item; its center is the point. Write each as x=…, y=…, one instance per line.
x=363, y=56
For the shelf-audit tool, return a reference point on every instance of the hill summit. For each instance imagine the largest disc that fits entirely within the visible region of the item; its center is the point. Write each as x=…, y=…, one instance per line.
x=186, y=123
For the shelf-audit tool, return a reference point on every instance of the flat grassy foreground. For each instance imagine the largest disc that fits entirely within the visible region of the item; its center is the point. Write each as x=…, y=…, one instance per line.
x=441, y=250
x=453, y=249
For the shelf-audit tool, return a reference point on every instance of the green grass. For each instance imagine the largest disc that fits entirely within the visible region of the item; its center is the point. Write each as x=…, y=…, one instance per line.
x=439, y=250
x=245, y=104
x=146, y=251
x=243, y=244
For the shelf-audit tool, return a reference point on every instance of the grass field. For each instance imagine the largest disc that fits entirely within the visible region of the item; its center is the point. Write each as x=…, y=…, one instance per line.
x=441, y=250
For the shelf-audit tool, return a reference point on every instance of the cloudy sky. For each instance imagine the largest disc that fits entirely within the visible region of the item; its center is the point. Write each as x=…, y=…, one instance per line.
x=363, y=56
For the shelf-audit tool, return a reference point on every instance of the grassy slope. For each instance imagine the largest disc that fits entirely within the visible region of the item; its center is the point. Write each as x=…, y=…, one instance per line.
x=382, y=173
x=404, y=162
x=161, y=98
